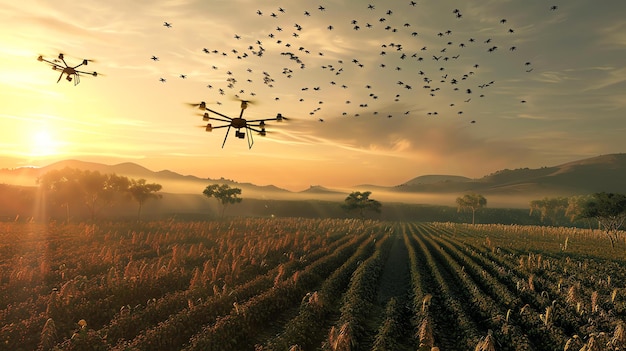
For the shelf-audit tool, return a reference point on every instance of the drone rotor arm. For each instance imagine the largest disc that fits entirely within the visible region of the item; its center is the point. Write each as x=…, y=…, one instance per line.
x=63, y=60
x=262, y=120
x=219, y=114
x=220, y=119
x=88, y=73
x=224, y=126
x=252, y=128
x=49, y=62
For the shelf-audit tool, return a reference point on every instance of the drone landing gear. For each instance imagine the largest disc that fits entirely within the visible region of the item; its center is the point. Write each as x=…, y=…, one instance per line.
x=241, y=135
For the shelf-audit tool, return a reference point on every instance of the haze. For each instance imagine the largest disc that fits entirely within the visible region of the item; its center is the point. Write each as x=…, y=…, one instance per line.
x=552, y=90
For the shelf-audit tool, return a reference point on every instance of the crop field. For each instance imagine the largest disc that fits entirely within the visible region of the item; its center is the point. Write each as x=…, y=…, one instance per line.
x=309, y=284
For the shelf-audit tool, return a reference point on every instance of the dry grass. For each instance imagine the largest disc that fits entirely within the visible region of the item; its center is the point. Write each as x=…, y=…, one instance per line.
x=426, y=337
x=488, y=343
x=48, y=335
x=619, y=336
x=340, y=339
x=426, y=302
x=573, y=295
x=546, y=318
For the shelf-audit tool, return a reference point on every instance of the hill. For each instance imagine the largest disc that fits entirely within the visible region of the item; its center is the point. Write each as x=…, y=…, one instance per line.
x=504, y=188
x=172, y=182
x=602, y=173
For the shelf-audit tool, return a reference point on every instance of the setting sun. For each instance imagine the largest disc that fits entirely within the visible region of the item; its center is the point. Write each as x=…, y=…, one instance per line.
x=43, y=144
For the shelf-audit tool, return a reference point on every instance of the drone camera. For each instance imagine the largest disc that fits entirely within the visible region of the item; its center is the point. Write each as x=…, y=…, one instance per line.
x=240, y=135
x=205, y=117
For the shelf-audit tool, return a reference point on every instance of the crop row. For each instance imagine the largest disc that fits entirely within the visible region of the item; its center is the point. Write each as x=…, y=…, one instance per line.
x=293, y=284
x=151, y=270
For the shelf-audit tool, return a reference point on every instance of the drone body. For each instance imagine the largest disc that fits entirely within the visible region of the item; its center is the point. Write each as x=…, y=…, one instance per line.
x=71, y=72
x=243, y=128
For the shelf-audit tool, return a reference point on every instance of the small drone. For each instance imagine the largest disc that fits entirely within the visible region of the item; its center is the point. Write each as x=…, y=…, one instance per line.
x=257, y=125
x=69, y=71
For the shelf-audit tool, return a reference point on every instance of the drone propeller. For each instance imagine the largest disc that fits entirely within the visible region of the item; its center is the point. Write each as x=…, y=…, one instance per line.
x=201, y=105
x=264, y=132
x=240, y=99
x=280, y=118
x=95, y=74
x=244, y=102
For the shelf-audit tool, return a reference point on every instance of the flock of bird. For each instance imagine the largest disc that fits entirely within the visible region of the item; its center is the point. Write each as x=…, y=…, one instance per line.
x=422, y=65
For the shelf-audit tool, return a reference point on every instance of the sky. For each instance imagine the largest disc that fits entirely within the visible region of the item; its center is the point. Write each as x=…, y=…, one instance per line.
x=375, y=92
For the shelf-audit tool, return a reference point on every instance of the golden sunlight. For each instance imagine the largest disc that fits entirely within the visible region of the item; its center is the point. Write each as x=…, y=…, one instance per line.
x=43, y=144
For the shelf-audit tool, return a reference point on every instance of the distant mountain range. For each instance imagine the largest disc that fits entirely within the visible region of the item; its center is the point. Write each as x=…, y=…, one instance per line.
x=601, y=173
x=596, y=174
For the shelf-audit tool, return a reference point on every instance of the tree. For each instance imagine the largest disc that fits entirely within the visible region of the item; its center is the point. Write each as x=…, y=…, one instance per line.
x=575, y=207
x=141, y=192
x=471, y=202
x=70, y=186
x=551, y=208
x=224, y=194
x=63, y=187
x=610, y=211
x=99, y=190
x=360, y=201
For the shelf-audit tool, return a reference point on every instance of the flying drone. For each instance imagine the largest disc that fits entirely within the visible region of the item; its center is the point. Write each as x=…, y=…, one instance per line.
x=71, y=72
x=239, y=123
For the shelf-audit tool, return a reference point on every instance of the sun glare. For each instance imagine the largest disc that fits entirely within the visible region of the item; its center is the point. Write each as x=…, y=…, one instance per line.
x=43, y=144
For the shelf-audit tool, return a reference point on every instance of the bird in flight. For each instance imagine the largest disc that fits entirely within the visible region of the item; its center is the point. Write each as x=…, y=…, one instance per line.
x=444, y=48
x=167, y=24
x=154, y=58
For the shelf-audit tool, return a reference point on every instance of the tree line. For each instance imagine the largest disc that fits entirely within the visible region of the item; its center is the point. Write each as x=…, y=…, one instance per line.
x=70, y=188
x=608, y=210
x=73, y=189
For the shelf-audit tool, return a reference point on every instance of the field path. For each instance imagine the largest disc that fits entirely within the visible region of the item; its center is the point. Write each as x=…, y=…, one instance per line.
x=394, y=284
x=395, y=278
